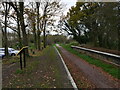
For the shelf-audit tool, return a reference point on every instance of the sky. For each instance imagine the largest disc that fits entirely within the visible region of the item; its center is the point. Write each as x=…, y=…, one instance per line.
x=68, y=3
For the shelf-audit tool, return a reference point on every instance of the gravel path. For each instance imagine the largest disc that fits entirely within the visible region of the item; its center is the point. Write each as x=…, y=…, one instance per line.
x=92, y=73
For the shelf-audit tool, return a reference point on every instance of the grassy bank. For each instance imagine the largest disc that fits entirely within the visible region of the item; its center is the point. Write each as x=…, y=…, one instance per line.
x=112, y=70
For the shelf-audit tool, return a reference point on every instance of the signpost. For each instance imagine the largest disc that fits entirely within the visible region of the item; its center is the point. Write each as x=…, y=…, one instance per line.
x=22, y=56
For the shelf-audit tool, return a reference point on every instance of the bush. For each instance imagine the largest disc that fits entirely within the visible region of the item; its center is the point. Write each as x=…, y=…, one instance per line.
x=74, y=43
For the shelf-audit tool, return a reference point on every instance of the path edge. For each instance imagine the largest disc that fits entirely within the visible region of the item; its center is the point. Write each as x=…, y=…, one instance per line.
x=68, y=72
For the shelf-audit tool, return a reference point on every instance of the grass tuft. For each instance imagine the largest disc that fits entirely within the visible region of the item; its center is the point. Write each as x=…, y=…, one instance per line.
x=19, y=71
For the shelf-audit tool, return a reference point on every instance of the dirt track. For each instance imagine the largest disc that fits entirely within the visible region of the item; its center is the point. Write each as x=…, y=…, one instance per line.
x=95, y=75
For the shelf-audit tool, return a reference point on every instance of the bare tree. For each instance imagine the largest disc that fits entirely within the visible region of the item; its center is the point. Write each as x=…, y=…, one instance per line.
x=20, y=17
x=51, y=9
x=30, y=11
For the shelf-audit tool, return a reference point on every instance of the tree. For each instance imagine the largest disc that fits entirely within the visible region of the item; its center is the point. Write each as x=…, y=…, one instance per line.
x=74, y=24
x=25, y=39
x=50, y=9
x=15, y=16
x=11, y=24
x=38, y=23
x=19, y=11
x=94, y=23
x=31, y=20
x=7, y=7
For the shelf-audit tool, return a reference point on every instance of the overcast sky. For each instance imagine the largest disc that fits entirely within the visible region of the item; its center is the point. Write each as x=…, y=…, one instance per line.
x=68, y=3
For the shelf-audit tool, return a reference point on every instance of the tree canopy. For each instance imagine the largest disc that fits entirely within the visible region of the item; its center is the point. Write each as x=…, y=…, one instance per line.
x=95, y=23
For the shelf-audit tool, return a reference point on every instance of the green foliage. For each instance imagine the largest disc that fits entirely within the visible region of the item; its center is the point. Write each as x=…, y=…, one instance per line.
x=51, y=39
x=74, y=43
x=31, y=46
x=19, y=71
x=106, y=67
x=94, y=22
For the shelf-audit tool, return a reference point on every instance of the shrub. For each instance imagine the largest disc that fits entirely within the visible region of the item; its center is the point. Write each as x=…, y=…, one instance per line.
x=74, y=43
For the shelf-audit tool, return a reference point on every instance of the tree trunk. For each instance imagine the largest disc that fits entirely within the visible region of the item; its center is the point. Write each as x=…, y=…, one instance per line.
x=39, y=42
x=25, y=39
x=5, y=32
x=19, y=33
x=35, y=37
x=119, y=39
x=100, y=40
x=118, y=28
x=1, y=34
x=44, y=25
x=44, y=34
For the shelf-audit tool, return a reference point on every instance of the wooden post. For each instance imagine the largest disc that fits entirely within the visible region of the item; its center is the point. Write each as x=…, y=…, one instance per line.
x=21, y=61
x=22, y=52
x=24, y=58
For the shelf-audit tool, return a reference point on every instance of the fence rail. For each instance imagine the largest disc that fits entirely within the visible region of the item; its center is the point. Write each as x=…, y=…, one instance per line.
x=115, y=58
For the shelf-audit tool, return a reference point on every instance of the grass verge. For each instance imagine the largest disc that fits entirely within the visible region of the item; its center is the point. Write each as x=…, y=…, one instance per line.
x=43, y=70
x=11, y=60
x=112, y=70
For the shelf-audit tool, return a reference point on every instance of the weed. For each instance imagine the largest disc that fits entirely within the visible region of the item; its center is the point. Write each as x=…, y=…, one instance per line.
x=19, y=71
